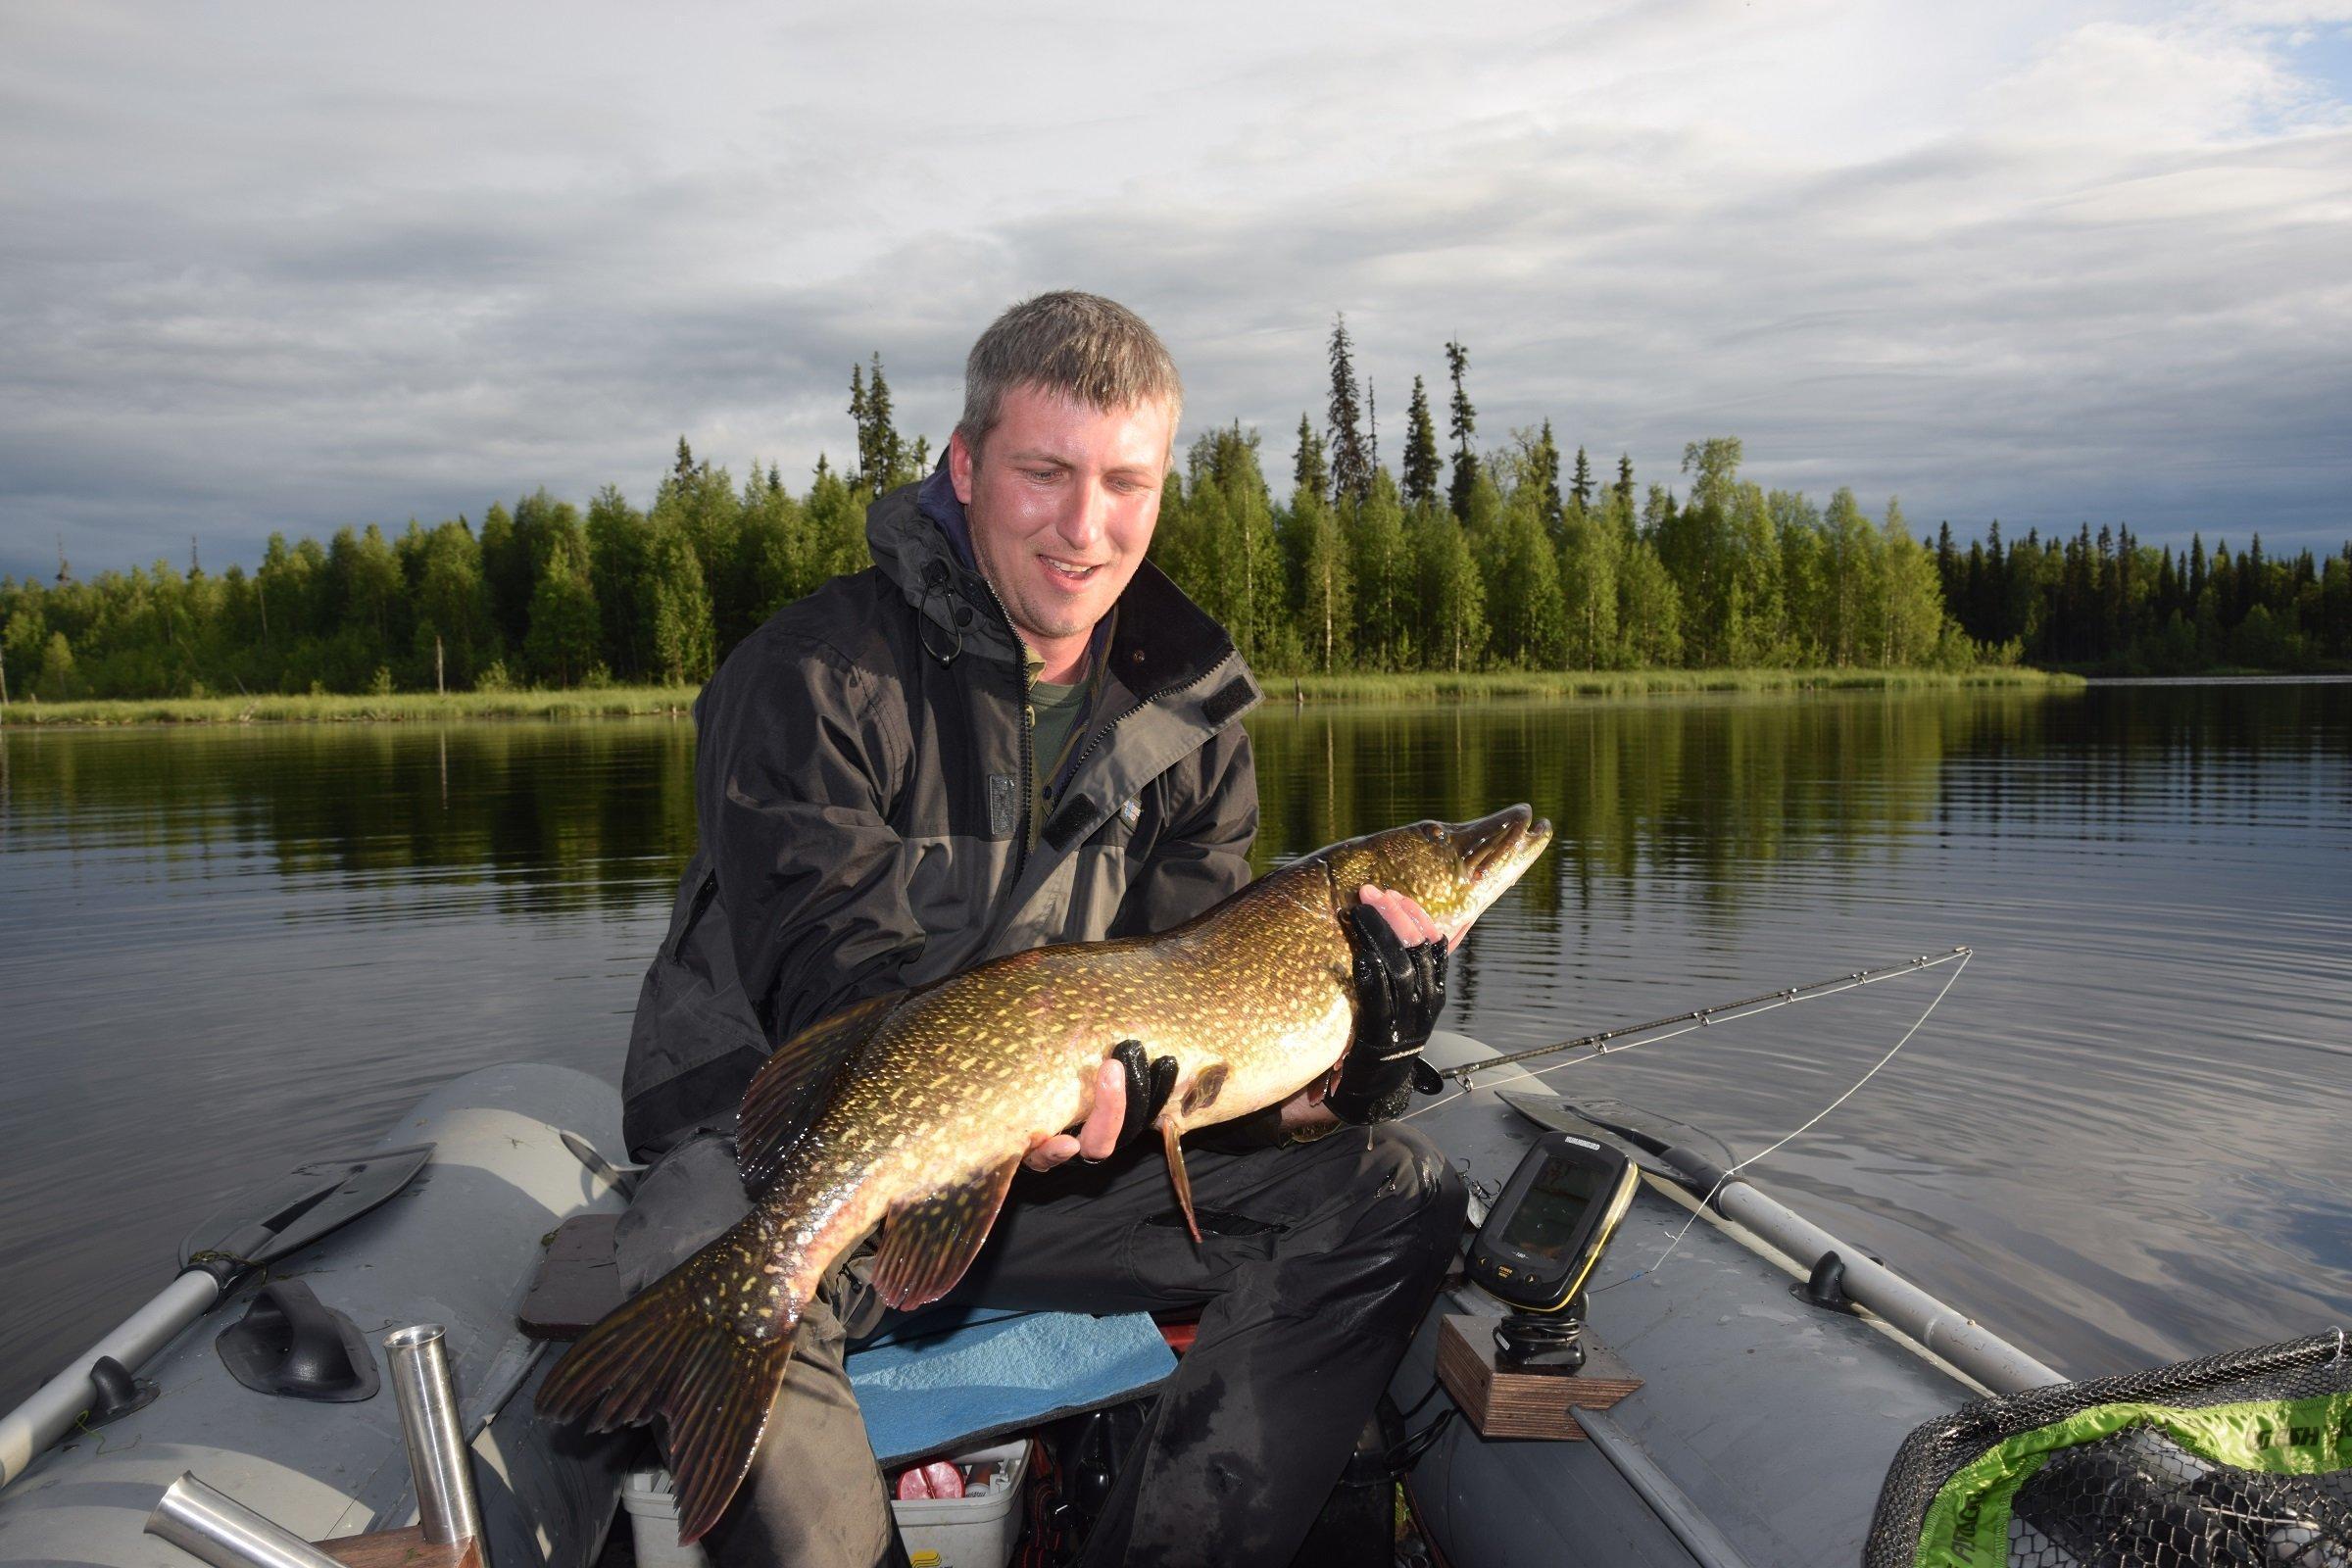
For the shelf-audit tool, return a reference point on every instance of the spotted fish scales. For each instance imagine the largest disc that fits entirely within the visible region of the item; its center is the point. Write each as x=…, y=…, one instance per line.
x=912, y=1114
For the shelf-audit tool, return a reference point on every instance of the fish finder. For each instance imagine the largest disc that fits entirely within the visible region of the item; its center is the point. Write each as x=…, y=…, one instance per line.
x=1542, y=1236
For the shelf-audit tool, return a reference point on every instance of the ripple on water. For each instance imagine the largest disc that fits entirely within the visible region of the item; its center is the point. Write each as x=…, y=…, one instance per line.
x=2118, y=1138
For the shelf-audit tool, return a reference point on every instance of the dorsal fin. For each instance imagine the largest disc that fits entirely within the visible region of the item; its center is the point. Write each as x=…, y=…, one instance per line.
x=931, y=1241
x=792, y=1086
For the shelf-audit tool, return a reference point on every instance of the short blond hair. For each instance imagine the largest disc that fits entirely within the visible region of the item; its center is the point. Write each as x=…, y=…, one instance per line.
x=1082, y=346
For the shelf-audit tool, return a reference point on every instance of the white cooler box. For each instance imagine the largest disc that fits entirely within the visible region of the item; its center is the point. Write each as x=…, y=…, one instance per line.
x=974, y=1531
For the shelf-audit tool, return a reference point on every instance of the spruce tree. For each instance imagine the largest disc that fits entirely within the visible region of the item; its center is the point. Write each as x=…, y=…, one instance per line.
x=1311, y=474
x=1625, y=478
x=858, y=419
x=1580, y=488
x=1463, y=426
x=1351, y=466
x=1421, y=461
x=879, y=450
x=1545, y=472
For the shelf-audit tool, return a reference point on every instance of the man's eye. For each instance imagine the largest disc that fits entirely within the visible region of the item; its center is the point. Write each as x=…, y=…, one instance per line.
x=1043, y=475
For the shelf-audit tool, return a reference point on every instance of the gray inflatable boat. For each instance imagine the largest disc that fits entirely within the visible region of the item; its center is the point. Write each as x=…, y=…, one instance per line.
x=1781, y=1373
x=442, y=1222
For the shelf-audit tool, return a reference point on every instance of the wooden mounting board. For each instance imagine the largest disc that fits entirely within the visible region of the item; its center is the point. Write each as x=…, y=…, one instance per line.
x=1523, y=1405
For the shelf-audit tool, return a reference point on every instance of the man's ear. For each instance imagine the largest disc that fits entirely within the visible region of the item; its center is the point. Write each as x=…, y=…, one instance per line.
x=962, y=461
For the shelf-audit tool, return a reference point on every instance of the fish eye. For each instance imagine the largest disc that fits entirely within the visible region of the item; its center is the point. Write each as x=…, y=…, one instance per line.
x=1435, y=832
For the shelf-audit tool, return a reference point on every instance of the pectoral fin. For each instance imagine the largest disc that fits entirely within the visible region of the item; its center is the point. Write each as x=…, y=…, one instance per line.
x=1170, y=1130
x=929, y=1242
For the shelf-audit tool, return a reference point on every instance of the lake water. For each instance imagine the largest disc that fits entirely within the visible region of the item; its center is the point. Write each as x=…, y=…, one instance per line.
x=2120, y=1139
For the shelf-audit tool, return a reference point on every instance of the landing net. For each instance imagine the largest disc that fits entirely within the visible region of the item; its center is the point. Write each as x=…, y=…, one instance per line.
x=2232, y=1461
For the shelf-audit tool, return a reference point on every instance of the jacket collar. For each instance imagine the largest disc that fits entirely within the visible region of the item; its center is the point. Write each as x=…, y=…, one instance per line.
x=921, y=541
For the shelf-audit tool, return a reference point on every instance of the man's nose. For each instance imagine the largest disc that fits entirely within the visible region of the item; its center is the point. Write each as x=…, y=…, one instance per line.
x=1085, y=517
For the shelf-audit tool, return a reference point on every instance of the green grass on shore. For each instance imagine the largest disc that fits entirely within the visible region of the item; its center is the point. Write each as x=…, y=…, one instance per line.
x=1607, y=683
x=624, y=701
x=401, y=706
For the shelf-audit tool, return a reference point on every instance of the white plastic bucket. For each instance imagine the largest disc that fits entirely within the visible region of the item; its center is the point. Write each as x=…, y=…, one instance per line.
x=974, y=1531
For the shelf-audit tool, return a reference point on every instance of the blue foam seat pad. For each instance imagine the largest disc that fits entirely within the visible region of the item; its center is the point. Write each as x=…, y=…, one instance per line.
x=987, y=1373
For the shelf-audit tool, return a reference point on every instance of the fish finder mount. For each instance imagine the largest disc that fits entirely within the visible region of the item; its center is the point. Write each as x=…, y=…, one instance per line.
x=1539, y=1243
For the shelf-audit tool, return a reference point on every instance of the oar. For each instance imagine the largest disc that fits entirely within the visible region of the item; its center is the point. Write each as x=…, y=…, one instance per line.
x=258, y=1228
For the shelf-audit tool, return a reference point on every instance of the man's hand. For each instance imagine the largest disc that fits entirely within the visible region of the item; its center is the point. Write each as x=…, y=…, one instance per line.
x=1400, y=973
x=1304, y=1115
x=1124, y=1082
x=1107, y=1124
x=1412, y=924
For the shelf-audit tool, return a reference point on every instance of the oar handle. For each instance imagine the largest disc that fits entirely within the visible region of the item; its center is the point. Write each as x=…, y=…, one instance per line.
x=51, y=1410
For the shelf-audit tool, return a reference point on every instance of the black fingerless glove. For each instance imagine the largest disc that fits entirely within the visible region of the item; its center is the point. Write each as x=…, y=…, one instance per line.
x=1399, y=991
x=1148, y=1085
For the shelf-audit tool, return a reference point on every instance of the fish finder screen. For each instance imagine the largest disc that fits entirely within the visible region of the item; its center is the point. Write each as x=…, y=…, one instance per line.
x=1548, y=1214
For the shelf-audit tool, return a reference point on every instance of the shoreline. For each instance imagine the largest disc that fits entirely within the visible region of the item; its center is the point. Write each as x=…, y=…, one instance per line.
x=677, y=702
x=1605, y=684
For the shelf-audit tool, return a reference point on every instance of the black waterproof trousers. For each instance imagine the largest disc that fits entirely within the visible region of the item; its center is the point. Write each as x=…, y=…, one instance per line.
x=1319, y=1261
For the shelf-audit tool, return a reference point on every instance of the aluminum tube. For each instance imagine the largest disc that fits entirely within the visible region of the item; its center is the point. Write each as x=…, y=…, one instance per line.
x=1943, y=1328
x=224, y=1532
x=51, y=1410
x=439, y=1460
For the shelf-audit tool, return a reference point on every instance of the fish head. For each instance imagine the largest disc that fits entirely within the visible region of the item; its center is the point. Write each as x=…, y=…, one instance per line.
x=1453, y=870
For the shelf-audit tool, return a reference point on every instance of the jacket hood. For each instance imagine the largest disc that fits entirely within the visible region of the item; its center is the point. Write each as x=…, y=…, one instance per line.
x=921, y=541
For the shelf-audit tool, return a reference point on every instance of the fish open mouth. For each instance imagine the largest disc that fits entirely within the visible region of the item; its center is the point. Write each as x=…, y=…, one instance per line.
x=1497, y=840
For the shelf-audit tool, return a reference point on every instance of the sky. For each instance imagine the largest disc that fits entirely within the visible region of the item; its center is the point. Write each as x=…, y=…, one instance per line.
x=292, y=267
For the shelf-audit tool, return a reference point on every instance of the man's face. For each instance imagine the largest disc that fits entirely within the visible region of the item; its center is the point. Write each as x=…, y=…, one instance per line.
x=1061, y=497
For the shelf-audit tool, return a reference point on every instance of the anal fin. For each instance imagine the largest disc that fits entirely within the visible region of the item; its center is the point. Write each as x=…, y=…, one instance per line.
x=793, y=1085
x=929, y=1242
x=1169, y=1134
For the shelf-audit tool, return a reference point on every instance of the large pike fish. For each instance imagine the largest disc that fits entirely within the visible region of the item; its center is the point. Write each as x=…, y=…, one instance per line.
x=912, y=1113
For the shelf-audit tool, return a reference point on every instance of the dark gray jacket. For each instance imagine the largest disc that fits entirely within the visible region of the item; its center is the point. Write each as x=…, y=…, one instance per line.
x=861, y=782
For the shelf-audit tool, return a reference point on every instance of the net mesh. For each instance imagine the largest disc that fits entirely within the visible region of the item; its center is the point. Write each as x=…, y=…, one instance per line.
x=2240, y=1459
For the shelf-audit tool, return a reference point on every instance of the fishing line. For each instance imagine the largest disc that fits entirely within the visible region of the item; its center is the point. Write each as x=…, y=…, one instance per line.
x=1964, y=955
x=1606, y=1042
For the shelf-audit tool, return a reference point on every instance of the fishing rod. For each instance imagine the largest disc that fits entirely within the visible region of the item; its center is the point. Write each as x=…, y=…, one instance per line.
x=1600, y=1044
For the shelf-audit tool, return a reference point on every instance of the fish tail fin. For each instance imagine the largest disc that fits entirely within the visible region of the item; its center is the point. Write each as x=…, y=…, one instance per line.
x=1169, y=1134
x=665, y=1353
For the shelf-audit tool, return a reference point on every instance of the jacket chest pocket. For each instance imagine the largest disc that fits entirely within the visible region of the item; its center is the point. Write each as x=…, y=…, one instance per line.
x=952, y=884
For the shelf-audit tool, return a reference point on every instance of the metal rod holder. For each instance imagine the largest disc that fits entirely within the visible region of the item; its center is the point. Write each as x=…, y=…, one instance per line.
x=438, y=1458
x=211, y=1525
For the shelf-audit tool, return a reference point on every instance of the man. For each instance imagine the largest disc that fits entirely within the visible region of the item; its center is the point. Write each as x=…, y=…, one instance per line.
x=1013, y=730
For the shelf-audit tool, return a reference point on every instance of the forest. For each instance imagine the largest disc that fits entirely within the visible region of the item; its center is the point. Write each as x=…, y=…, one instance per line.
x=1465, y=557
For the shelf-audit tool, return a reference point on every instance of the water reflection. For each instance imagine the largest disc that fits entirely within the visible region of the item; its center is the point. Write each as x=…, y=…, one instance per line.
x=2120, y=1139
x=518, y=819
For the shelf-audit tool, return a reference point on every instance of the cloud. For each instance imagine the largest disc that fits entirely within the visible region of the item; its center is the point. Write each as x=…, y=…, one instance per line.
x=285, y=269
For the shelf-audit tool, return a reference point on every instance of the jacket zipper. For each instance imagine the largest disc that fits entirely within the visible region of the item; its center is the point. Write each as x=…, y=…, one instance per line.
x=1027, y=810
x=1169, y=690
x=1020, y=845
